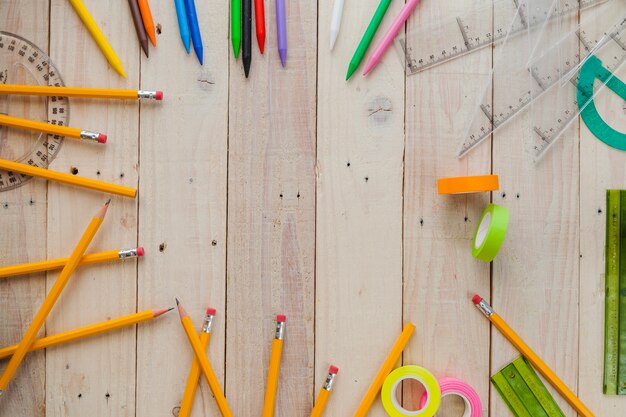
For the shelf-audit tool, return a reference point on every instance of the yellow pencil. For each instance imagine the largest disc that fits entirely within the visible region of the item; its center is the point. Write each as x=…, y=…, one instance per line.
x=322, y=398
x=70, y=132
x=148, y=23
x=52, y=91
x=194, y=373
x=87, y=331
x=205, y=365
x=52, y=297
x=48, y=174
x=93, y=258
x=274, y=368
x=97, y=36
x=532, y=357
x=385, y=369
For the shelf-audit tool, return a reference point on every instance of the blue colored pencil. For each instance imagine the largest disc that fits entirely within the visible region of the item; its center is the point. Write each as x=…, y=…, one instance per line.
x=192, y=17
x=183, y=26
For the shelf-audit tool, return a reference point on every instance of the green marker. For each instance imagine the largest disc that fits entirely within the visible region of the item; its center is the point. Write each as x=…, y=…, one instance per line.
x=367, y=37
x=235, y=25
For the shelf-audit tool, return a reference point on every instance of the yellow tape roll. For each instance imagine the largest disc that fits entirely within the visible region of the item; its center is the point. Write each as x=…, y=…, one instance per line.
x=390, y=387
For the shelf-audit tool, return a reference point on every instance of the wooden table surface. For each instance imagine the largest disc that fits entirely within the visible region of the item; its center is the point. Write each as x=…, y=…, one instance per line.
x=296, y=192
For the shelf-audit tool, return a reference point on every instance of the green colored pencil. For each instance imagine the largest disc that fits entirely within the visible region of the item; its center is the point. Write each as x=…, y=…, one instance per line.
x=235, y=25
x=367, y=37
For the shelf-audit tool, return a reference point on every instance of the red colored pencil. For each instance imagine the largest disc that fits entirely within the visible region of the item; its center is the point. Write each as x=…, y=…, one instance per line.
x=259, y=15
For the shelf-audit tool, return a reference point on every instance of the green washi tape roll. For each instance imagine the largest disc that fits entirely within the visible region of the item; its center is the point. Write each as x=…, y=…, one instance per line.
x=490, y=232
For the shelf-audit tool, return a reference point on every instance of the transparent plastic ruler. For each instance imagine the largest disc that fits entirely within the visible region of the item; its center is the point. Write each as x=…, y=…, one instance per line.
x=475, y=30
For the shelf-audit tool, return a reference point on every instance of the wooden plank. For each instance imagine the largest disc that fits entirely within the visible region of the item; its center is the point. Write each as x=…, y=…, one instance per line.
x=359, y=211
x=271, y=217
x=182, y=209
x=440, y=273
x=95, y=376
x=23, y=222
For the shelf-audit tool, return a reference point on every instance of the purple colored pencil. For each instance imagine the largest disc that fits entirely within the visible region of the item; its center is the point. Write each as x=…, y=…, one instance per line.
x=281, y=30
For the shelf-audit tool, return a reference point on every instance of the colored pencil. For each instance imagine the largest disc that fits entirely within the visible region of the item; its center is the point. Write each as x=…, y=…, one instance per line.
x=52, y=297
x=274, y=368
x=335, y=22
x=52, y=91
x=183, y=25
x=70, y=132
x=87, y=331
x=196, y=38
x=148, y=23
x=203, y=361
x=281, y=30
x=324, y=394
x=97, y=36
x=67, y=178
x=387, y=40
x=259, y=20
x=368, y=36
x=194, y=373
x=532, y=357
x=235, y=25
x=385, y=369
x=246, y=33
x=139, y=28
x=94, y=258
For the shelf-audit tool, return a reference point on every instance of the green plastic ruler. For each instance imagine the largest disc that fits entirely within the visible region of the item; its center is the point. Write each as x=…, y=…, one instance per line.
x=523, y=392
x=612, y=283
x=621, y=371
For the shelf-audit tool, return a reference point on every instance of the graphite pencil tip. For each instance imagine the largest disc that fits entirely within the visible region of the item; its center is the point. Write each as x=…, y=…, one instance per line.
x=169, y=309
x=103, y=210
x=177, y=302
x=108, y=202
x=161, y=311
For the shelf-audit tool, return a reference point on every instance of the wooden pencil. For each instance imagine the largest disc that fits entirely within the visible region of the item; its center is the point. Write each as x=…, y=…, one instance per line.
x=274, y=368
x=69, y=132
x=139, y=28
x=52, y=91
x=322, y=398
x=148, y=23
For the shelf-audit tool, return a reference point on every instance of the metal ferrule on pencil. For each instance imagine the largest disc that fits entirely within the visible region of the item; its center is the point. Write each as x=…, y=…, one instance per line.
x=152, y=95
x=88, y=135
x=328, y=385
x=485, y=308
x=128, y=253
x=280, y=329
x=208, y=323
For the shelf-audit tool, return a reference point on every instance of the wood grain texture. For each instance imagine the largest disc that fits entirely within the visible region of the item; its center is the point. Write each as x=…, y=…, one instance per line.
x=182, y=209
x=25, y=223
x=271, y=218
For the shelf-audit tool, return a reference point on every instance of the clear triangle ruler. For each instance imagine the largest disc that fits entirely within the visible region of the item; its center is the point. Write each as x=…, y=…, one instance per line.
x=475, y=30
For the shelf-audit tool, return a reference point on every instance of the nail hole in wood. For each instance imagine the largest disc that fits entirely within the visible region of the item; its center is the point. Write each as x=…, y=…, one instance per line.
x=348, y=164
x=214, y=243
x=122, y=175
x=74, y=170
x=158, y=28
x=80, y=395
x=162, y=247
x=98, y=172
x=367, y=179
x=421, y=222
x=466, y=219
x=503, y=195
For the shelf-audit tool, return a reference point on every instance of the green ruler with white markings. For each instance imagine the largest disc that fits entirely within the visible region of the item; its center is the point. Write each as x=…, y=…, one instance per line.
x=523, y=392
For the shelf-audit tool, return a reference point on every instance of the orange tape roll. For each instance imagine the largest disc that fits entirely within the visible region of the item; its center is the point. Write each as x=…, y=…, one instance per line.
x=464, y=185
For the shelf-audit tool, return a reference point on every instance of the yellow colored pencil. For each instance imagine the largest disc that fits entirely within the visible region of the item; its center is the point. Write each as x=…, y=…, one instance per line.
x=97, y=36
x=194, y=373
x=52, y=297
x=70, y=132
x=203, y=361
x=52, y=264
x=67, y=178
x=87, y=331
x=148, y=23
x=274, y=368
x=385, y=369
x=532, y=357
x=324, y=394
x=52, y=91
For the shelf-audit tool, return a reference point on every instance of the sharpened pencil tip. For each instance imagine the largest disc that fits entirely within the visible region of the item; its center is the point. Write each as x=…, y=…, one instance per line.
x=108, y=202
x=177, y=302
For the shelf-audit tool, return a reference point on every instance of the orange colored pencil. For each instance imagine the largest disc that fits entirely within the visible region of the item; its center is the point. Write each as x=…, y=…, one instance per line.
x=53, y=91
x=70, y=132
x=532, y=357
x=324, y=394
x=148, y=23
x=274, y=368
x=52, y=297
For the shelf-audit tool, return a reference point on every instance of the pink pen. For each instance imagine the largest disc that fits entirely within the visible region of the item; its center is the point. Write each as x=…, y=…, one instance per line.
x=387, y=40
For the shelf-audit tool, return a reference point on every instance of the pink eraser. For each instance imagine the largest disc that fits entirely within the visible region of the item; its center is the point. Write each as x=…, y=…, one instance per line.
x=159, y=95
x=281, y=318
x=140, y=251
x=333, y=369
x=477, y=299
x=210, y=311
x=102, y=138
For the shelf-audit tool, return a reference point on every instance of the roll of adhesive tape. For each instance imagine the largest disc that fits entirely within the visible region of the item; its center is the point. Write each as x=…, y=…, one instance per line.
x=451, y=386
x=390, y=388
x=464, y=185
x=490, y=233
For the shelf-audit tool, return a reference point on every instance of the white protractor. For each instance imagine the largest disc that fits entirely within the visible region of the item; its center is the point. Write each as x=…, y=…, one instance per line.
x=475, y=30
x=21, y=62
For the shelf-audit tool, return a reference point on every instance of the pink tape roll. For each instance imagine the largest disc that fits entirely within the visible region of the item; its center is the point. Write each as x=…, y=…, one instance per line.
x=451, y=386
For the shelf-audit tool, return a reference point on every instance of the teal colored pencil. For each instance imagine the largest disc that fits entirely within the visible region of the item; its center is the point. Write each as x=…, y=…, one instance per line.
x=367, y=37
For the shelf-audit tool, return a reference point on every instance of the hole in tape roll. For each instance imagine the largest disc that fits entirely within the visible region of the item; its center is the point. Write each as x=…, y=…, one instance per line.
x=408, y=394
x=481, y=235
